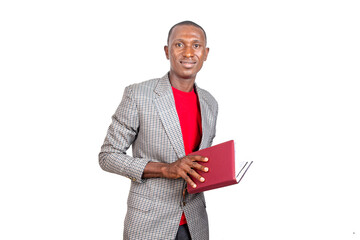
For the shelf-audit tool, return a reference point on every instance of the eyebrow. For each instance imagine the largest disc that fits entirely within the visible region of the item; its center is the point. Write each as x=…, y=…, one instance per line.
x=182, y=40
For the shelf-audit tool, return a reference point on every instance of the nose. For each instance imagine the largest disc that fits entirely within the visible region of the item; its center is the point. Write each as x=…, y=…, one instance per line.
x=188, y=52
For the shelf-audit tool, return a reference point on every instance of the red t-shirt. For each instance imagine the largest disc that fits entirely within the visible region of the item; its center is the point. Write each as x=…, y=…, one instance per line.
x=188, y=109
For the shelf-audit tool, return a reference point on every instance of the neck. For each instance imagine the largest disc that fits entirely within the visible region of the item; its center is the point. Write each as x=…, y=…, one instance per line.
x=182, y=84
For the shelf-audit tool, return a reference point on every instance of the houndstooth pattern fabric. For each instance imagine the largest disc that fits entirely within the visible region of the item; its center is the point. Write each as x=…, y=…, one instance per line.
x=147, y=119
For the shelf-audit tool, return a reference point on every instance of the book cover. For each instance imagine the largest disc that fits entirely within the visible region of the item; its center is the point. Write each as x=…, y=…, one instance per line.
x=223, y=169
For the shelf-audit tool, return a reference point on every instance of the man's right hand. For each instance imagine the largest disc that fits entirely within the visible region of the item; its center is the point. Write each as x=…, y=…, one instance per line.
x=185, y=167
x=182, y=168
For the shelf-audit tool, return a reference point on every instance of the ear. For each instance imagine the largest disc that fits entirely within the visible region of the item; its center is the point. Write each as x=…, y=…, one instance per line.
x=166, y=49
x=206, y=53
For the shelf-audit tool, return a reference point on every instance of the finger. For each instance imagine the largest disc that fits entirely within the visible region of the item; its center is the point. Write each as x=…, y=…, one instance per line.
x=188, y=180
x=198, y=158
x=200, y=167
x=196, y=175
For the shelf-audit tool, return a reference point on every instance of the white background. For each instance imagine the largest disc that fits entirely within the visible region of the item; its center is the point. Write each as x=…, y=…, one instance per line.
x=286, y=76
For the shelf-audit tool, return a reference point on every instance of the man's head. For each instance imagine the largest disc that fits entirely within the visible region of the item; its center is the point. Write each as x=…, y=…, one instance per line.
x=186, y=50
x=190, y=23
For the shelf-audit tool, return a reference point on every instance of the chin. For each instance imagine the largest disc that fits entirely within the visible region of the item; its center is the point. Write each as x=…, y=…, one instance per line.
x=185, y=74
x=188, y=75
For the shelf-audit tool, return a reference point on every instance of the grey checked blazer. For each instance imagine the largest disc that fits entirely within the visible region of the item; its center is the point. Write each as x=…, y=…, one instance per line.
x=147, y=119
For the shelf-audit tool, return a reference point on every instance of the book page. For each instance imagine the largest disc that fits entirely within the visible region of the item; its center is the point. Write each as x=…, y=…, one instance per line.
x=240, y=166
x=241, y=173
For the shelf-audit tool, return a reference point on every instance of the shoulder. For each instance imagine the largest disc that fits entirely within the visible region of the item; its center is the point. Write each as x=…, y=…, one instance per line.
x=145, y=88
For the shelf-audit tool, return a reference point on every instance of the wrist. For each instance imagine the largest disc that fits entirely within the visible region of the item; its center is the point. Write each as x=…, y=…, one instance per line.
x=164, y=170
x=155, y=170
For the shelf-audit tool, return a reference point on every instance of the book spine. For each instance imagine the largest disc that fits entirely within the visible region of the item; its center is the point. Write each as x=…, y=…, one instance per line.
x=210, y=187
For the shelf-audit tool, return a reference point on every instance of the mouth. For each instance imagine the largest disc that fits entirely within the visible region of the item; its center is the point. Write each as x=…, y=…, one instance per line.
x=187, y=63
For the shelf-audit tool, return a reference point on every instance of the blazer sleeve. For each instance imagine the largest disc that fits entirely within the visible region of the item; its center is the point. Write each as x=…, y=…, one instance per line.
x=121, y=134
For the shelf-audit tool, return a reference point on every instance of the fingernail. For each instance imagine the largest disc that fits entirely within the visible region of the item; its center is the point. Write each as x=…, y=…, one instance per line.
x=206, y=159
x=206, y=169
x=194, y=186
x=202, y=179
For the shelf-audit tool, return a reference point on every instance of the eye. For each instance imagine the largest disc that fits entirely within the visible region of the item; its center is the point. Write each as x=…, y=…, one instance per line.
x=179, y=44
x=196, y=45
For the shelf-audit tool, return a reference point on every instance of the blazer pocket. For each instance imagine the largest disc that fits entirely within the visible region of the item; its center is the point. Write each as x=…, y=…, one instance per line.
x=139, y=202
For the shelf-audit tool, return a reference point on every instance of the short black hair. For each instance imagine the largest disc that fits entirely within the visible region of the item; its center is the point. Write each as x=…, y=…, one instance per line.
x=185, y=23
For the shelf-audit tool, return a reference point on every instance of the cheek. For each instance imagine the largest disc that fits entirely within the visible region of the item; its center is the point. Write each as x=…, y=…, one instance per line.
x=205, y=55
x=201, y=55
x=174, y=57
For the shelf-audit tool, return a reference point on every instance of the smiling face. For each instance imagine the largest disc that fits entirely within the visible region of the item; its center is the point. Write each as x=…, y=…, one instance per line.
x=186, y=51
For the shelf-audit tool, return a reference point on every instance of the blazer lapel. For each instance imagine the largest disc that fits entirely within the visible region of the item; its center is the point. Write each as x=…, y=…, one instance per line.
x=165, y=104
x=206, y=117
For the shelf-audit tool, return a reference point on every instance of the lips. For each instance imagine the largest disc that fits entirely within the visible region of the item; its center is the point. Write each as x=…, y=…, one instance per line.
x=188, y=63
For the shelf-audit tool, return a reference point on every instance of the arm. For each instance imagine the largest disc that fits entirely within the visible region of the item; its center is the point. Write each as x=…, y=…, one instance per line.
x=182, y=168
x=121, y=134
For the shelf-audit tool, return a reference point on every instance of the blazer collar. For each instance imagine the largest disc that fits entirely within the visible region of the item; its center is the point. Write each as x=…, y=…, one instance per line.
x=163, y=86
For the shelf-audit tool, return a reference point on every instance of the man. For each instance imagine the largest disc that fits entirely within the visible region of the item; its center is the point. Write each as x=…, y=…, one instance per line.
x=165, y=119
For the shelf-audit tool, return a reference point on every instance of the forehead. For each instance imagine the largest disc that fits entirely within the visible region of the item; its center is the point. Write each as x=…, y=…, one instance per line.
x=187, y=32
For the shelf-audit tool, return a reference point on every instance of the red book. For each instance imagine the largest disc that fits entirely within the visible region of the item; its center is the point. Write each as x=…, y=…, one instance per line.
x=223, y=169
